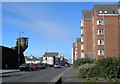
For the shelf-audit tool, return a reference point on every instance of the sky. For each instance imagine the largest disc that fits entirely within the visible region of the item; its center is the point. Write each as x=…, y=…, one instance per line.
x=51, y=26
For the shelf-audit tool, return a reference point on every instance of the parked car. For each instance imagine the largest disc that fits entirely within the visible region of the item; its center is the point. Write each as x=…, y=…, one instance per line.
x=31, y=65
x=57, y=66
x=24, y=67
x=67, y=65
x=35, y=66
x=42, y=66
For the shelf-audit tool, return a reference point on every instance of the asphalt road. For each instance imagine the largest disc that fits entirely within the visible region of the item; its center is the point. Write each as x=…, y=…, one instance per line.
x=44, y=75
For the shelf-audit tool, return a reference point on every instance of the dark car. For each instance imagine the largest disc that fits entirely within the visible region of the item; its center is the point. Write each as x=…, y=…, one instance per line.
x=31, y=65
x=24, y=67
x=41, y=66
x=67, y=65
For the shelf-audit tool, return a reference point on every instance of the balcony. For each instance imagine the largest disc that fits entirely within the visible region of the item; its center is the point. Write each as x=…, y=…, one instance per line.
x=99, y=22
x=100, y=42
x=82, y=23
x=82, y=31
x=100, y=32
x=82, y=39
x=100, y=52
x=82, y=55
x=82, y=47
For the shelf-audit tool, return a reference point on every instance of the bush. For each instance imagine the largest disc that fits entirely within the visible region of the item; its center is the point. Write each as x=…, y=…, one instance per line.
x=80, y=62
x=88, y=70
x=109, y=67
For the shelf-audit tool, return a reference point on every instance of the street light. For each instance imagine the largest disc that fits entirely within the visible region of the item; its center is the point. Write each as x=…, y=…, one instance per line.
x=19, y=50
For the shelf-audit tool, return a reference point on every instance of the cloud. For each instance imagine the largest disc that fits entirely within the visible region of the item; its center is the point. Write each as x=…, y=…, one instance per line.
x=40, y=20
x=37, y=21
x=36, y=53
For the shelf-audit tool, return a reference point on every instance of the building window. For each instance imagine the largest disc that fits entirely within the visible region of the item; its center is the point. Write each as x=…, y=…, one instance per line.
x=82, y=39
x=76, y=49
x=81, y=23
x=100, y=42
x=100, y=52
x=75, y=52
x=100, y=11
x=76, y=44
x=114, y=12
x=82, y=55
x=100, y=32
x=99, y=22
x=82, y=47
x=82, y=30
x=105, y=11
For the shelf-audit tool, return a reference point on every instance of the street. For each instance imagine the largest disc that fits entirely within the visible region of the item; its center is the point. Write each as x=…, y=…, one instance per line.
x=43, y=75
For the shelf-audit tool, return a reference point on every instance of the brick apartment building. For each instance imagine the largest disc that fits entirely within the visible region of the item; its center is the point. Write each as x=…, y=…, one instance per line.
x=76, y=50
x=100, y=27
x=100, y=32
x=86, y=34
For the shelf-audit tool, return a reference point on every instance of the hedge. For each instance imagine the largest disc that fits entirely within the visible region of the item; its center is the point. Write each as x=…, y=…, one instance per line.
x=107, y=68
x=110, y=67
x=87, y=71
x=80, y=62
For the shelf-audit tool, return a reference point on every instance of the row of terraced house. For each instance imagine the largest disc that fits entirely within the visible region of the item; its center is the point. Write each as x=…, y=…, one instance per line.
x=100, y=33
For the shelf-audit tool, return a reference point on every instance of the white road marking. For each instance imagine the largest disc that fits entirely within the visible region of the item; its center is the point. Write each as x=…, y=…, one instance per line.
x=57, y=77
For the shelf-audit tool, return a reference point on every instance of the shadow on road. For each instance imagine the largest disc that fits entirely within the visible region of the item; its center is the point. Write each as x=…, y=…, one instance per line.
x=9, y=75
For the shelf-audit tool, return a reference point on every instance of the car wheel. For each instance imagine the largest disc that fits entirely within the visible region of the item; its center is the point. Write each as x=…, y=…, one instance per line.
x=21, y=70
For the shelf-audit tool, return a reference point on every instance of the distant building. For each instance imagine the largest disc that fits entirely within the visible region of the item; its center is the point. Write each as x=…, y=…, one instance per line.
x=63, y=60
x=76, y=50
x=86, y=34
x=73, y=53
x=51, y=58
x=32, y=59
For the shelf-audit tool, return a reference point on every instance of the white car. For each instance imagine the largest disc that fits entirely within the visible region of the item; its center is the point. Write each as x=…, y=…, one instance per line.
x=57, y=66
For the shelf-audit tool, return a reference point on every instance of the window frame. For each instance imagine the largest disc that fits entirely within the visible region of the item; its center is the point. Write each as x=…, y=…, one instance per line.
x=101, y=52
x=100, y=22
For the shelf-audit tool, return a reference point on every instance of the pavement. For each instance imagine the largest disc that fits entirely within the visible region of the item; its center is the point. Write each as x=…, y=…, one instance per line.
x=70, y=76
x=9, y=71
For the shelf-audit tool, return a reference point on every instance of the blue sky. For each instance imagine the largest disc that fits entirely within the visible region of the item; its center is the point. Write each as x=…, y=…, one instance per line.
x=53, y=26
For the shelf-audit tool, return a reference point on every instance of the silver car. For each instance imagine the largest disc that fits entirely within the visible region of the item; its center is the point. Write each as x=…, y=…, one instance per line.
x=57, y=66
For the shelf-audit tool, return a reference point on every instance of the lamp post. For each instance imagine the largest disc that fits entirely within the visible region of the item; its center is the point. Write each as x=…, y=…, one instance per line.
x=19, y=50
x=46, y=57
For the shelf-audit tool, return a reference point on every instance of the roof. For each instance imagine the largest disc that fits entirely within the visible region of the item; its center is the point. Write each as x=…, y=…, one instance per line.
x=50, y=54
x=29, y=58
x=87, y=14
x=110, y=8
x=22, y=38
x=78, y=40
x=74, y=44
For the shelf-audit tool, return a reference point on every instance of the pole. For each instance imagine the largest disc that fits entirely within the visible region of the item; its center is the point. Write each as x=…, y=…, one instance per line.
x=19, y=50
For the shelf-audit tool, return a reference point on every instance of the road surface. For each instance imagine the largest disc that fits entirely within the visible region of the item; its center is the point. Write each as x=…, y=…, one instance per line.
x=44, y=75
